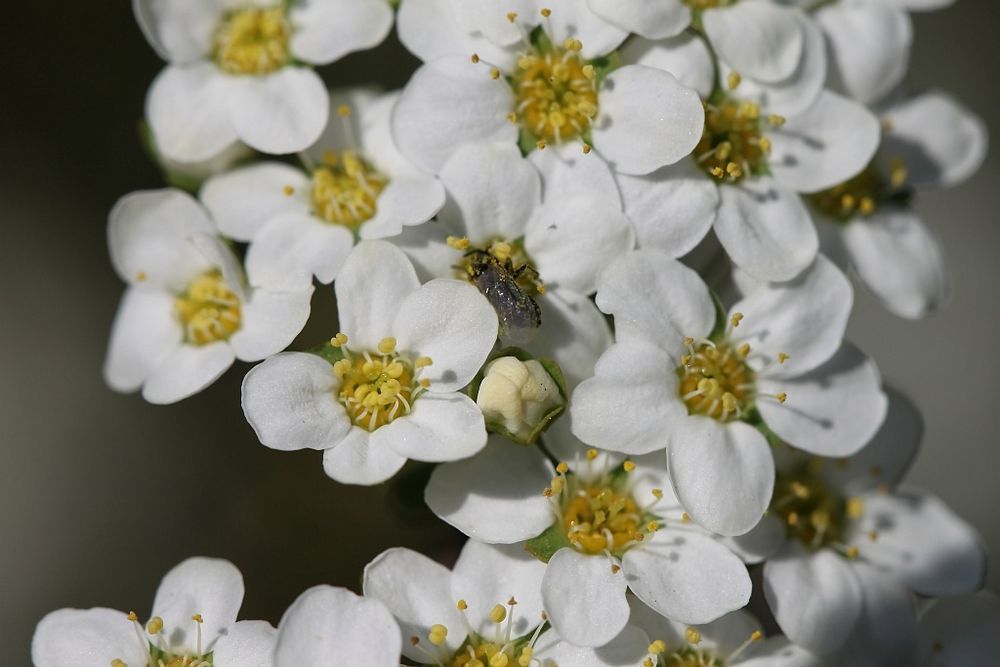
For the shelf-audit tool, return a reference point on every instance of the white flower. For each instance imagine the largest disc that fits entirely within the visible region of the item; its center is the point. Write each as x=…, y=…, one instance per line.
x=304, y=224
x=637, y=118
x=518, y=396
x=552, y=246
x=930, y=141
x=960, y=631
x=678, y=379
x=860, y=544
x=489, y=605
x=394, y=394
x=238, y=69
x=186, y=315
x=332, y=626
x=193, y=624
x=602, y=525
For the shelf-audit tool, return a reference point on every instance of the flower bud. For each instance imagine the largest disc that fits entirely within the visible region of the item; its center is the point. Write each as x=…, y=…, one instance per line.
x=518, y=397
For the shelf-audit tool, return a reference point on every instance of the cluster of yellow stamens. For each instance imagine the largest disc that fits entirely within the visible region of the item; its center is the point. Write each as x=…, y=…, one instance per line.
x=508, y=254
x=345, y=189
x=501, y=650
x=209, y=310
x=377, y=388
x=690, y=654
x=862, y=194
x=156, y=646
x=252, y=41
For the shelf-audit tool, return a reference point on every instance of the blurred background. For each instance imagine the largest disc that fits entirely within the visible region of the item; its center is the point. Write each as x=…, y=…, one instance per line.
x=100, y=494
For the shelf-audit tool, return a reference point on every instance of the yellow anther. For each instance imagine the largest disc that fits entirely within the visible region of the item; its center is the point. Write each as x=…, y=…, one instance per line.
x=499, y=660
x=782, y=357
x=855, y=508
x=717, y=172
x=511, y=601
x=512, y=117
x=197, y=618
x=341, y=368
x=800, y=490
x=586, y=149
x=756, y=636
x=155, y=625
x=688, y=341
x=736, y=319
x=437, y=634
x=558, y=483
x=591, y=454
x=692, y=636
x=511, y=16
x=652, y=526
x=629, y=466
x=458, y=242
x=853, y=552
x=589, y=72
x=540, y=288
x=461, y=605
x=867, y=205
x=873, y=536
x=132, y=616
x=339, y=340
x=343, y=111
x=288, y=190
x=562, y=468
x=776, y=120
x=765, y=144
x=422, y=362
x=848, y=202
x=414, y=640
x=782, y=397
x=615, y=568
x=547, y=492
x=647, y=663
x=728, y=402
x=685, y=518
x=540, y=144
x=387, y=345
x=494, y=74
x=657, y=493
x=475, y=58
x=657, y=647
x=743, y=350
x=498, y=613
x=546, y=12
x=424, y=382
x=118, y=663
x=897, y=174
x=734, y=170
x=140, y=276
x=792, y=518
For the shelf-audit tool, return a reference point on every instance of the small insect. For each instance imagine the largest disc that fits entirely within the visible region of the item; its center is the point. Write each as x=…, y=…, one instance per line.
x=505, y=288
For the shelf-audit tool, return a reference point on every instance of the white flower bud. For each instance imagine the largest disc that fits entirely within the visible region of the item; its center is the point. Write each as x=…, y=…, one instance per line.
x=517, y=395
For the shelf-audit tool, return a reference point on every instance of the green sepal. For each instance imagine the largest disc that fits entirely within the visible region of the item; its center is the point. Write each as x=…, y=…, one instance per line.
x=605, y=65
x=548, y=543
x=540, y=39
x=329, y=352
x=721, y=317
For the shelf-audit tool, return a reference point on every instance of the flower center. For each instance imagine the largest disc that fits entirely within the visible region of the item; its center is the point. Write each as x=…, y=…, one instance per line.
x=345, y=189
x=813, y=513
x=863, y=194
x=715, y=380
x=689, y=655
x=376, y=388
x=156, y=646
x=733, y=144
x=555, y=93
x=252, y=41
x=502, y=650
x=597, y=518
x=209, y=310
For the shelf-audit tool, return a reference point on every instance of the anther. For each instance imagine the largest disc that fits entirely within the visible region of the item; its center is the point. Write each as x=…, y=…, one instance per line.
x=511, y=16
x=494, y=74
x=475, y=58
x=776, y=120
x=657, y=647
x=540, y=144
x=586, y=149
x=339, y=340
x=628, y=466
x=437, y=635
x=782, y=397
x=458, y=243
x=615, y=568
x=782, y=357
x=546, y=12
x=692, y=636
x=288, y=190
x=685, y=518
x=197, y=618
x=733, y=80
x=422, y=362
x=461, y=605
x=498, y=613
x=387, y=345
x=736, y=319
x=155, y=625
x=562, y=468
x=132, y=616
x=591, y=454
x=343, y=111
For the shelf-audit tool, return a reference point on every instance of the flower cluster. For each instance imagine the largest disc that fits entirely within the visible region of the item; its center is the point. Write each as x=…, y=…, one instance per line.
x=625, y=430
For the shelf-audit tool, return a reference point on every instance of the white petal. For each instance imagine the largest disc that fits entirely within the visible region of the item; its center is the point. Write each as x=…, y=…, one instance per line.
x=822, y=620
x=145, y=332
x=102, y=635
x=211, y=587
x=271, y=321
x=187, y=109
x=450, y=322
x=571, y=240
x=290, y=401
x=246, y=644
x=630, y=402
x=584, y=599
x=652, y=20
x=187, y=370
x=221, y=257
x=647, y=119
x=406, y=200
x=625, y=650
x=804, y=318
x=567, y=172
x=148, y=237
x=833, y=410
x=425, y=245
x=333, y=626
x=504, y=503
x=723, y=474
x=765, y=229
x=680, y=226
x=430, y=29
x=180, y=30
x=681, y=304
x=870, y=44
x=685, y=56
x=419, y=594
x=574, y=333
x=486, y=575
x=959, y=631
x=824, y=145
x=447, y=103
x=763, y=39
x=887, y=630
x=355, y=460
x=279, y=113
x=343, y=132
x=244, y=200
x=326, y=30
x=779, y=652
x=293, y=247
x=921, y=543
x=372, y=285
x=490, y=19
x=441, y=427
x=576, y=20
x=687, y=577
x=762, y=542
x=939, y=141
x=723, y=636
x=492, y=192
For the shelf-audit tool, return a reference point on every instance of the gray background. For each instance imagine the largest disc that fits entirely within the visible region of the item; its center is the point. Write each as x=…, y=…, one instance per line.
x=100, y=494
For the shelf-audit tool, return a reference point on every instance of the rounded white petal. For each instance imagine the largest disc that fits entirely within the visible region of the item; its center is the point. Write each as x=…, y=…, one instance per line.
x=765, y=229
x=584, y=599
x=826, y=144
x=686, y=576
x=149, y=236
x=426, y=247
x=779, y=652
x=492, y=192
x=295, y=246
x=245, y=644
x=188, y=112
x=271, y=321
x=180, y=30
x=290, y=400
x=372, y=285
x=333, y=626
x=652, y=20
x=959, y=631
x=367, y=107
x=625, y=650
x=430, y=29
x=571, y=240
x=764, y=40
x=144, y=333
x=685, y=56
x=243, y=201
x=419, y=594
x=356, y=460
x=574, y=333
x=495, y=496
x=406, y=200
x=723, y=473
x=567, y=172
x=449, y=102
x=102, y=635
x=212, y=587
x=576, y=20
x=490, y=19
x=326, y=30
x=280, y=113
x=822, y=620
x=762, y=542
x=833, y=410
x=899, y=260
x=486, y=575
x=441, y=427
x=186, y=371
x=647, y=119
x=887, y=630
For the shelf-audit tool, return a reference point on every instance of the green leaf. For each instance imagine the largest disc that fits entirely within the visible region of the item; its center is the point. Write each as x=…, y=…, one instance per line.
x=548, y=543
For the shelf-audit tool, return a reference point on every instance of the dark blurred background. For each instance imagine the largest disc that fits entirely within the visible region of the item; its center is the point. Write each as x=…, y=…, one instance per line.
x=100, y=494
